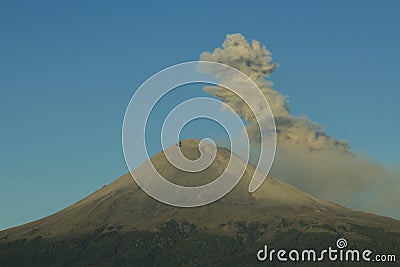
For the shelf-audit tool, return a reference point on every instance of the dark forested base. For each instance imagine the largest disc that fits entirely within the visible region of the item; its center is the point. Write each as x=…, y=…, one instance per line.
x=184, y=245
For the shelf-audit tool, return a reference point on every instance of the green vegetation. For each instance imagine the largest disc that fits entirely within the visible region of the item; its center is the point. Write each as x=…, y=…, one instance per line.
x=182, y=245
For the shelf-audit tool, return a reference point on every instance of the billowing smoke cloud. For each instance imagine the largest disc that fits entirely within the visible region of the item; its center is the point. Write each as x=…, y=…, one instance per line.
x=256, y=62
x=306, y=156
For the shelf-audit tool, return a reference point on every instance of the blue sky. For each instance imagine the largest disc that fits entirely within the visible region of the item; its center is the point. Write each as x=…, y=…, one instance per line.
x=68, y=70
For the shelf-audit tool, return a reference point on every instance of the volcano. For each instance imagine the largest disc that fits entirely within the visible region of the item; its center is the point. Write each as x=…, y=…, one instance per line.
x=276, y=211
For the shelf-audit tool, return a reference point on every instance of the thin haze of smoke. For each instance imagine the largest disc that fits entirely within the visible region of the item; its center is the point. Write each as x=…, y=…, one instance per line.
x=351, y=180
x=306, y=157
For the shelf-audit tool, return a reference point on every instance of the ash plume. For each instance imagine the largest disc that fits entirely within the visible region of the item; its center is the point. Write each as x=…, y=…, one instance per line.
x=306, y=156
x=255, y=61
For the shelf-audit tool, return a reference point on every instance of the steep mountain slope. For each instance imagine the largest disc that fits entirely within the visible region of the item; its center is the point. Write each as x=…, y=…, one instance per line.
x=124, y=206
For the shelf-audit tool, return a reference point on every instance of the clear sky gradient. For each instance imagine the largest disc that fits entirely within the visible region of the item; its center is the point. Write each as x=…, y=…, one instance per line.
x=68, y=70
